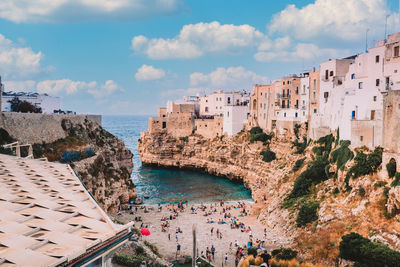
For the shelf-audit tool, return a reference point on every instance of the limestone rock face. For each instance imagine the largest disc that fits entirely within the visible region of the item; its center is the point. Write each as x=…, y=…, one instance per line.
x=361, y=210
x=393, y=203
x=107, y=174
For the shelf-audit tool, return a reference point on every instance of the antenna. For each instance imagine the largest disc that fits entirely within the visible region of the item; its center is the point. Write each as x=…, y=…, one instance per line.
x=387, y=16
x=366, y=40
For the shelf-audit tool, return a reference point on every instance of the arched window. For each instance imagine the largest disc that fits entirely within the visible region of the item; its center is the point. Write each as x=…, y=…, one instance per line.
x=229, y=100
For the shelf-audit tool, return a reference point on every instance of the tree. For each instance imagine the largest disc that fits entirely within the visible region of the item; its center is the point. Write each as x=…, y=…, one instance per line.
x=23, y=106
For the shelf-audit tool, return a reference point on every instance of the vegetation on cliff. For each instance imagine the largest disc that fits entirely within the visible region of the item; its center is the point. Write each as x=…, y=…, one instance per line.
x=366, y=253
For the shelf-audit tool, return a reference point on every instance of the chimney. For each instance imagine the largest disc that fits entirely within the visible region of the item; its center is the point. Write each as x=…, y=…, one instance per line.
x=313, y=69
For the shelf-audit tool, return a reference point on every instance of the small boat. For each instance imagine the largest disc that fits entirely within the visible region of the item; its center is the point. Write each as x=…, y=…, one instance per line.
x=146, y=196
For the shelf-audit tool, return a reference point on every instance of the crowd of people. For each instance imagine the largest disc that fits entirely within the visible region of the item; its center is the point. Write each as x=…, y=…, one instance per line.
x=222, y=216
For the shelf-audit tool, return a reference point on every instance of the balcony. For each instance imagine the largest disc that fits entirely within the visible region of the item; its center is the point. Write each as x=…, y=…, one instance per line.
x=313, y=101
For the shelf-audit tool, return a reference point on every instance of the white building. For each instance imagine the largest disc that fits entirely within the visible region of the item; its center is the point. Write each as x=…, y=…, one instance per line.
x=47, y=103
x=304, y=97
x=186, y=100
x=213, y=104
x=235, y=117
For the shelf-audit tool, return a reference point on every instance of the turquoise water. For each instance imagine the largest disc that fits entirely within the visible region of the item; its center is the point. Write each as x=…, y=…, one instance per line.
x=169, y=185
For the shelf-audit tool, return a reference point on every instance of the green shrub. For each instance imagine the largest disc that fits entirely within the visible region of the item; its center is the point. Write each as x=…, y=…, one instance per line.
x=336, y=191
x=263, y=137
x=127, y=260
x=284, y=254
x=299, y=163
x=139, y=250
x=255, y=130
x=300, y=146
x=296, y=130
x=268, y=155
x=314, y=174
x=396, y=181
x=391, y=169
x=361, y=192
x=184, y=139
x=342, y=155
x=324, y=145
x=364, y=164
x=363, y=252
x=153, y=248
x=307, y=214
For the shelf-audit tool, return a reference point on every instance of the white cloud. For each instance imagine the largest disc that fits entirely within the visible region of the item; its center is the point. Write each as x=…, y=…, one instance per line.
x=86, y=10
x=20, y=86
x=195, y=40
x=227, y=78
x=299, y=52
x=343, y=19
x=149, y=73
x=106, y=89
x=67, y=86
x=19, y=62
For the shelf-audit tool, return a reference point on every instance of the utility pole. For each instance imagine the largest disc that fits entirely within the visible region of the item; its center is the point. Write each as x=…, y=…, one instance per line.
x=194, y=246
x=366, y=41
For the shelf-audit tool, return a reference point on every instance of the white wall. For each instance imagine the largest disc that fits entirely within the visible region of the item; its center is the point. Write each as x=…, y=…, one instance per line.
x=235, y=117
x=47, y=103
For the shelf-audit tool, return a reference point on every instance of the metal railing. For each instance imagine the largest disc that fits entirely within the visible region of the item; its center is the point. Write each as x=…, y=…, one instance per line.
x=17, y=148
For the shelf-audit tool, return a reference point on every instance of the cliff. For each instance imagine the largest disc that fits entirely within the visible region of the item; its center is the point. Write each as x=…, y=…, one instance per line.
x=99, y=158
x=309, y=197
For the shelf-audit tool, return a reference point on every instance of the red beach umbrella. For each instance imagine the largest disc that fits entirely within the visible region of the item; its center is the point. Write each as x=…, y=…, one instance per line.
x=145, y=231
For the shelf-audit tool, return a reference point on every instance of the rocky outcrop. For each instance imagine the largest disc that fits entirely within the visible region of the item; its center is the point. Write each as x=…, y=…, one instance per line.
x=370, y=206
x=99, y=158
x=107, y=174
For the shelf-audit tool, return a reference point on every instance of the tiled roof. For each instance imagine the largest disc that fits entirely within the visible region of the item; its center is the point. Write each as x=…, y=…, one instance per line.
x=46, y=215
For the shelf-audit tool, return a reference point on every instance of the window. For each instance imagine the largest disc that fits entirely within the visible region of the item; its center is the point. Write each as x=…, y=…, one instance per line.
x=353, y=76
x=283, y=103
x=288, y=92
x=295, y=115
x=314, y=97
x=315, y=110
x=377, y=81
x=164, y=124
x=206, y=109
x=360, y=85
x=372, y=115
x=264, y=116
x=326, y=94
x=297, y=103
x=283, y=83
x=297, y=90
x=331, y=73
x=353, y=115
x=396, y=51
x=361, y=138
x=265, y=106
x=376, y=59
x=229, y=99
x=374, y=98
x=284, y=114
x=260, y=105
x=228, y=114
x=326, y=74
x=315, y=84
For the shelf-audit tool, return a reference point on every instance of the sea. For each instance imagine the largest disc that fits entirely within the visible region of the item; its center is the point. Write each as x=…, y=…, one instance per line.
x=170, y=185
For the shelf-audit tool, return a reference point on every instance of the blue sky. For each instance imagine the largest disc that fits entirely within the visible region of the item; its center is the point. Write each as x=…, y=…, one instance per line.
x=131, y=56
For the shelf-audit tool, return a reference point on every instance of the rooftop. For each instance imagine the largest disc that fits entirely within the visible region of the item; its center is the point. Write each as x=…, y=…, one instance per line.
x=47, y=216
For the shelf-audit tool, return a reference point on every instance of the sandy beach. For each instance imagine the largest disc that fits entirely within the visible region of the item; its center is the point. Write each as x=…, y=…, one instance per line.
x=152, y=218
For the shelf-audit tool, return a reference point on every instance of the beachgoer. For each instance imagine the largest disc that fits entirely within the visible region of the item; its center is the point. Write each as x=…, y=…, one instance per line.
x=213, y=252
x=226, y=259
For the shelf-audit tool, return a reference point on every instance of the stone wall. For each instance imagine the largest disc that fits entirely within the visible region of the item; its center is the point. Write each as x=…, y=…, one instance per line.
x=366, y=133
x=178, y=126
x=38, y=128
x=209, y=128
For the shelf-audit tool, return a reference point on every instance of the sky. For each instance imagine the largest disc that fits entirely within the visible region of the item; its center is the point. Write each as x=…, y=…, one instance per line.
x=128, y=57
